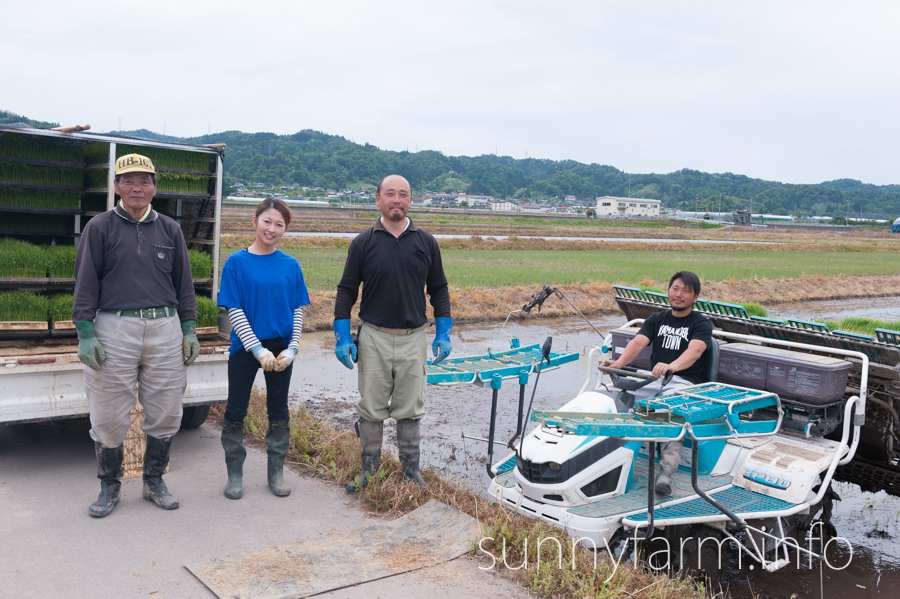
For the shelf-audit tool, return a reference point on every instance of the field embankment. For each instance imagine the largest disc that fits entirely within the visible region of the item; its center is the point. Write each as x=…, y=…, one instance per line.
x=477, y=304
x=490, y=277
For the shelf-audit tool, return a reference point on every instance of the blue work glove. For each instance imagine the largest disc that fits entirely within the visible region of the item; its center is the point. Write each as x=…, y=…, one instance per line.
x=190, y=346
x=345, y=349
x=89, y=348
x=441, y=346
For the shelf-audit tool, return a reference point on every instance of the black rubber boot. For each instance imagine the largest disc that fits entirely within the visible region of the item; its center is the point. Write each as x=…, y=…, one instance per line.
x=408, y=439
x=370, y=435
x=156, y=458
x=109, y=471
x=235, y=453
x=278, y=439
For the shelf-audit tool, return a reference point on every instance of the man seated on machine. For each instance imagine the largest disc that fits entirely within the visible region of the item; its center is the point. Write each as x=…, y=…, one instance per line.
x=680, y=338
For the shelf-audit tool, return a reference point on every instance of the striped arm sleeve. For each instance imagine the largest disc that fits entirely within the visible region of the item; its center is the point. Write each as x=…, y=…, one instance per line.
x=242, y=328
x=298, y=328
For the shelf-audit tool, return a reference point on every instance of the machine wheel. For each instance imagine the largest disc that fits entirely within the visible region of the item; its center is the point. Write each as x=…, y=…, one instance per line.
x=194, y=416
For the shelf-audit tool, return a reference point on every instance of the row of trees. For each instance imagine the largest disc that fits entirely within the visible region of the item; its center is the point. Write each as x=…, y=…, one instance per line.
x=315, y=159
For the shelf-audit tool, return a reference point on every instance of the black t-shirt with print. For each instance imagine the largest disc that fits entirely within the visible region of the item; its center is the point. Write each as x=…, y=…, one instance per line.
x=669, y=337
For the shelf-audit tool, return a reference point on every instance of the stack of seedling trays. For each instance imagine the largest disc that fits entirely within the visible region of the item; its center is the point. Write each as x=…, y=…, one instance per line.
x=52, y=184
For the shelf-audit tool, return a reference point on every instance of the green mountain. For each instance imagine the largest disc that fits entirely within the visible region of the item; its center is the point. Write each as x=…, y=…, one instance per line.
x=315, y=159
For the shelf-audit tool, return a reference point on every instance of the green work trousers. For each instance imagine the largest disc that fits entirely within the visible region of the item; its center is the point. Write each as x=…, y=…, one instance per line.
x=392, y=375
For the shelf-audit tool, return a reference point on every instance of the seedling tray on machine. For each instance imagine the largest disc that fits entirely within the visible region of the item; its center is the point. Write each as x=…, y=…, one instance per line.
x=478, y=370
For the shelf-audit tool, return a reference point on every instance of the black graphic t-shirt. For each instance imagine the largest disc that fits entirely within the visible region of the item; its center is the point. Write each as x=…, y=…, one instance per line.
x=669, y=337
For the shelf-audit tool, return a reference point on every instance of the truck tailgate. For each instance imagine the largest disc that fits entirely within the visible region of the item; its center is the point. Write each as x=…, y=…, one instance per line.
x=47, y=386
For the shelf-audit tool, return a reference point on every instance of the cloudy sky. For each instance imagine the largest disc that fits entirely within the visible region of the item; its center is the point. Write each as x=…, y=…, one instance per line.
x=800, y=92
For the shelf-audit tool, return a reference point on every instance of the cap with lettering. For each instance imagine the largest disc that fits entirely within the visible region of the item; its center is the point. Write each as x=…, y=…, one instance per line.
x=134, y=163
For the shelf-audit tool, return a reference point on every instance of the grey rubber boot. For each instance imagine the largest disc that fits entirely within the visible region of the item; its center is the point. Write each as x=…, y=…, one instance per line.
x=235, y=453
x=408, y=439
x=109, y=471
x=668, y=464
x=370, y=435
x=156, y=458
x=278, y=439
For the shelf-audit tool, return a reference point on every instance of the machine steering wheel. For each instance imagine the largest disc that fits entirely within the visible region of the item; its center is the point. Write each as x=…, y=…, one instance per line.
x=631, y=379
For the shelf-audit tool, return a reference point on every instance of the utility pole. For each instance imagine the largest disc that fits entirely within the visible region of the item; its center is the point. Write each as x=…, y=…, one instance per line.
x=720, y=205
x=697, y=205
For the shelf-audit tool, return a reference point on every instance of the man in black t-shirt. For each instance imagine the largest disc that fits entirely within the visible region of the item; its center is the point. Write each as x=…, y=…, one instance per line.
x=680, y=338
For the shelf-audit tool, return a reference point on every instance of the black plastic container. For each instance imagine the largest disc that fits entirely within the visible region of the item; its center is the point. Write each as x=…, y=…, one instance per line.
x=809, y=378
x=620, y=338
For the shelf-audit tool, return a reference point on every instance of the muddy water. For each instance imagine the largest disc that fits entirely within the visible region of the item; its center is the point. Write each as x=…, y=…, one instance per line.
x=879, y=308
x=869, y=522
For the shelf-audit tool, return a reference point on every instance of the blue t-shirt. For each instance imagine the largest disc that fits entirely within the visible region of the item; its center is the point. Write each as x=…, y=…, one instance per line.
x=268, y=289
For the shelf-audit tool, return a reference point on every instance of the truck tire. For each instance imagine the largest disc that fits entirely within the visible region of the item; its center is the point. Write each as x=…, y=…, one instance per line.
x=194, y=416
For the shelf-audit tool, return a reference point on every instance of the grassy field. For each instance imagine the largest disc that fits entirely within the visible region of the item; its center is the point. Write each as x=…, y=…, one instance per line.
x=499, y=268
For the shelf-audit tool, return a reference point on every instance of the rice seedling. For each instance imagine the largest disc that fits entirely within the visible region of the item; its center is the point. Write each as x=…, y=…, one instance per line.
x=96, y=153
x=61, y=261
x=95, y=178
x=171, y=182
x=61, y=306
x=201, y=264
x=22, y=306
x=866, y=326
x=754, y=309
x=182, y=182
x=42, y=175
x=651, y=288
x=207, y=312
x=21, y=259
x=167, y=158
x=38, y=198
x=39, y=148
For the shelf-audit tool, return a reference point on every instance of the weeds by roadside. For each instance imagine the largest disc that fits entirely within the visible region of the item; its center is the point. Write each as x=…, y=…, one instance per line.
x=318, y=448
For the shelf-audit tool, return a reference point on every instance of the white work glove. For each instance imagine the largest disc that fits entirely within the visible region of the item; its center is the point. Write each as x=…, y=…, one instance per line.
x=265, y=357
x=284, y=359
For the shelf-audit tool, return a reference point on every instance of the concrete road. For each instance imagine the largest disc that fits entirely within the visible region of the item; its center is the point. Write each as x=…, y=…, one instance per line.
x=50, y=547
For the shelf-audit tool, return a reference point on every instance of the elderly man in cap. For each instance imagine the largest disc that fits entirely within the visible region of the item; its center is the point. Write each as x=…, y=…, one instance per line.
x=136, y=317
x=395, y=261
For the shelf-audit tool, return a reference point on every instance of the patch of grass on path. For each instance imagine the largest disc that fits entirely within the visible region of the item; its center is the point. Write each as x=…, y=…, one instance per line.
x=503, y=268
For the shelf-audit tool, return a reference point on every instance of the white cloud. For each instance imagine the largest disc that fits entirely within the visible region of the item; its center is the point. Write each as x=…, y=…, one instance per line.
x=798, y=92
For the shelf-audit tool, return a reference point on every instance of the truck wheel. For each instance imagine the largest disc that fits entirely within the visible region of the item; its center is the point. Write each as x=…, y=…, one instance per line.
x=194, y=416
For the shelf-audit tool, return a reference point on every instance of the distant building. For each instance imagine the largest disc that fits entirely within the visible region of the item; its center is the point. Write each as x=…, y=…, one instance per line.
x=742, y=217
x=895, y=228
x=531, y=208
x=571, y=198
x=613, y=206
x=502, y=206
x=421, y=201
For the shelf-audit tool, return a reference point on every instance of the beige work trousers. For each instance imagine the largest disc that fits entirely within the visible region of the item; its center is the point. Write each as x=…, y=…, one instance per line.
x=392, y=375
x=147, y=352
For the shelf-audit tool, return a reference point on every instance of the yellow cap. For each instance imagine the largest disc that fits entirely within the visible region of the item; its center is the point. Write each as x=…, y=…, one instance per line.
x=134, y=163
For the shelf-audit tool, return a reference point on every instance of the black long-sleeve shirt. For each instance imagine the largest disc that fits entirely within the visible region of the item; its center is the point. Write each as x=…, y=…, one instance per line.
x=394, y=271
x=124, y=264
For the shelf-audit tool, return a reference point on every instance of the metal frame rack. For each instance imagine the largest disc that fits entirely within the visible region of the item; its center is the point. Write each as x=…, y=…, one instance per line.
x=191, y=210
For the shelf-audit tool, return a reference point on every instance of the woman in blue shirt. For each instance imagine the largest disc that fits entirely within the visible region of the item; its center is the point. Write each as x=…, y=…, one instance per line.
x=263, y=290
